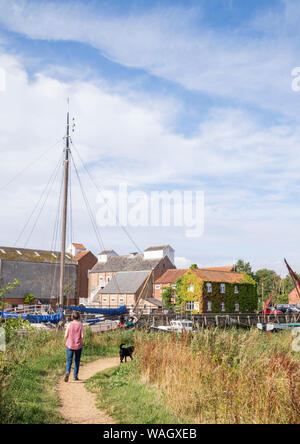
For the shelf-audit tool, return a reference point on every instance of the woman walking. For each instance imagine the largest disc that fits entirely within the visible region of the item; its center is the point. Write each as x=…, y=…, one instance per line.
x=74, y=343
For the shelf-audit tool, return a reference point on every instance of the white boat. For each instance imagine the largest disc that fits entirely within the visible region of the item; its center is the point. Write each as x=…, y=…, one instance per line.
x=275, y=327
x=177, y=326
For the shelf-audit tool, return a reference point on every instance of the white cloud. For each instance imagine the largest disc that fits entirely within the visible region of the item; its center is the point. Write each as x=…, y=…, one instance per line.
x=165, y=42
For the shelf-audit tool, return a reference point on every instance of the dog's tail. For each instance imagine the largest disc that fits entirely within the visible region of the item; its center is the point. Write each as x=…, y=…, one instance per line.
x=121, y=346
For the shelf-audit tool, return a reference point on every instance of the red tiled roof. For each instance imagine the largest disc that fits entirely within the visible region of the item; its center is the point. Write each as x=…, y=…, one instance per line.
x=227, y=268
x=81, y=255
x=218, y=276
x=171, y=276
x=79, y=246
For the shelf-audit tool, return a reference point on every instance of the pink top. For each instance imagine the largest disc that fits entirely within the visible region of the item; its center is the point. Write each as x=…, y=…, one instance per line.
x=74, y=336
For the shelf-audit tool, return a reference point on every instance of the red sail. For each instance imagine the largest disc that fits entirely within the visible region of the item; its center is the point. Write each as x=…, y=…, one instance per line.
x=295, y=278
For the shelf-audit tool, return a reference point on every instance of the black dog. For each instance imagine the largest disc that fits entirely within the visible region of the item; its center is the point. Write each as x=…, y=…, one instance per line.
x=125, y=352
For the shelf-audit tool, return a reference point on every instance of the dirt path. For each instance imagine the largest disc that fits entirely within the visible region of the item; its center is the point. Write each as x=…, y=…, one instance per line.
x=79, y=405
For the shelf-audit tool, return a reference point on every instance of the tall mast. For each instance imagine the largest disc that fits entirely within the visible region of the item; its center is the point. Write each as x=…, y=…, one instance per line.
x=64, y=212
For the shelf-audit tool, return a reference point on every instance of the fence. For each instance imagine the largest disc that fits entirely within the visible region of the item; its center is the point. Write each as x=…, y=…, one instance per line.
x=217, y=320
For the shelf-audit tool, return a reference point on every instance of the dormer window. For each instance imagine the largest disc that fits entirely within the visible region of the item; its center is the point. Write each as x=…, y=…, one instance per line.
x=222, y=288
x=209, y=287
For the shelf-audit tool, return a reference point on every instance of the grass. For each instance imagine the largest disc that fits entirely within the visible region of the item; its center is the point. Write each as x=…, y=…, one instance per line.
x=33, y=364
x=122, y=394
x=216, y=376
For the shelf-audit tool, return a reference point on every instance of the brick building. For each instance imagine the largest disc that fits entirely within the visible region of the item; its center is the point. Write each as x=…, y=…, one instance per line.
x=210, y=290
x=128, y=288
x=155, y=259
x=39, y=273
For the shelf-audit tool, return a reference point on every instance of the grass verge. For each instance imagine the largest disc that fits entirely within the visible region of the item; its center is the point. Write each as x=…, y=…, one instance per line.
x=123, y=396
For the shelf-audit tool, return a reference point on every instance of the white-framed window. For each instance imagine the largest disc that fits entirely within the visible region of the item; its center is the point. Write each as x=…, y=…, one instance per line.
x=174, y=287
x=108, y=279
x=157, y=287
x=100, y=278
x=113, y=299
x=190, y=306
x=104, y=299
x=236, y=289
x=191, y=288
x=208, y=287
x=222, y=306
x=122, y=300
x=222, y=288
x=237, y=307
x=209, y=306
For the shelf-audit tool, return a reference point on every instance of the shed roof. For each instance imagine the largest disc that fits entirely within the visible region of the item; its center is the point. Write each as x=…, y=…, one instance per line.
x=30, y=255
x=127, y=262
x=128, y=282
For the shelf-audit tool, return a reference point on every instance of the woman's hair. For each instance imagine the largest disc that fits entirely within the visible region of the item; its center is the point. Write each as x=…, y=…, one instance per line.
x=75, y=315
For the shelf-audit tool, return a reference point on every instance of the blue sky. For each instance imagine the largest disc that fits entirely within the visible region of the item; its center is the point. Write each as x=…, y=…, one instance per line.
x=168, y=95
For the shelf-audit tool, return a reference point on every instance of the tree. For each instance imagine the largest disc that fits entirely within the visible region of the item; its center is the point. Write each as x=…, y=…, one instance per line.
x=167, y=295
x=267, y=282
x=29, y=298
x=6, y=291
x=194, y=267
x=242, y=266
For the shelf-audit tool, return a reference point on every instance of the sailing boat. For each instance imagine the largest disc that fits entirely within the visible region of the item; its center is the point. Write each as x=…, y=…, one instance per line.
x=275, y=326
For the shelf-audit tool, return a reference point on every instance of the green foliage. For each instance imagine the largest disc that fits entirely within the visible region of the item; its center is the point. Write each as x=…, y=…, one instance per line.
x=5, y=291
x=29, y=298
x=246, y=296
x=13, y=325
x=167, y=295
x=184, y=292
x=194, y=267
x=242, y=266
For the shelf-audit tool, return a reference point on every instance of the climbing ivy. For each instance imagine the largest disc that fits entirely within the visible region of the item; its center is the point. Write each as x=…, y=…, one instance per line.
x=246, y=297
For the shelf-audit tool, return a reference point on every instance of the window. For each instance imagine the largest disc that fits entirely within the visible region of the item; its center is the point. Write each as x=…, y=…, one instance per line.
x=209, y=287
x=190, y=306
x=236, y=289
x=121, y=300
x=209, y=306
x=157, y=287
x=108, y=279
x=174, y=287
x=104, y=300
x=222, y=288
x=191, y=288
x=222, y=306
x=100, y=278
x=113, y=300
x=237, y=307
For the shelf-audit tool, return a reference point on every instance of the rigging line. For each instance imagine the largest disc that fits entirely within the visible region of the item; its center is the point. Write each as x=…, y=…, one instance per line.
x=44, y=196
x=100, y=191
x=29, y=165
x=37, y=204
x=58, y=212
x=71, y=207
x=42, y=207
x=94, y=224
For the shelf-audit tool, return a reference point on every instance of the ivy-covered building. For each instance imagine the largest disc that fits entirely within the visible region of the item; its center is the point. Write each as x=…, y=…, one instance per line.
x=209, y=290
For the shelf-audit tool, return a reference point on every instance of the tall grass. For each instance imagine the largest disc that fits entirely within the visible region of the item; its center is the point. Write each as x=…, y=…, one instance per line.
x=220, y=376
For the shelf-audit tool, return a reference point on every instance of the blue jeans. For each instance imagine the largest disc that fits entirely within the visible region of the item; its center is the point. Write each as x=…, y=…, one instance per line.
x=70, y=354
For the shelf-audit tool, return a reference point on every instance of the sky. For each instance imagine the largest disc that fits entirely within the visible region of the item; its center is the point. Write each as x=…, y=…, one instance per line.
x=190, y=95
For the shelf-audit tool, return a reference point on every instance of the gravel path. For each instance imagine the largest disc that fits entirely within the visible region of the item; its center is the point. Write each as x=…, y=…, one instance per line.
x=78, y=406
